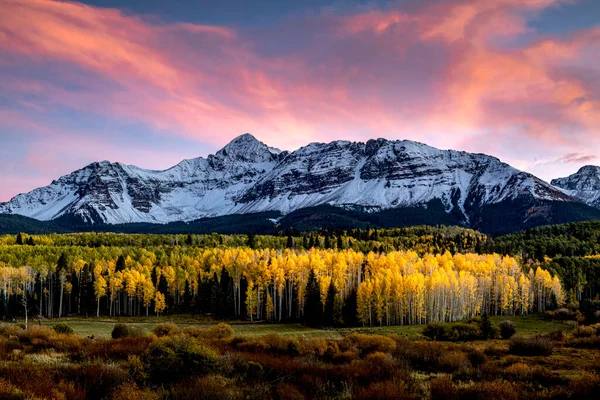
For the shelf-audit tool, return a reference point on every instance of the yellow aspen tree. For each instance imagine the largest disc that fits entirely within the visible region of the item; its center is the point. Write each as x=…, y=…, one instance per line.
x=251, y=300
x=99, y=291
x=159, y=303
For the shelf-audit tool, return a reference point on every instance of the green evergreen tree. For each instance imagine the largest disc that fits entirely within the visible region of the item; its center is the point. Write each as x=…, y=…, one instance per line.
x=486, y=327
x=338, y=311
x=350, y=309
x=328, y=317
x=251, y=240
x=19, y=239
x=313, y=310
x=216, y=296
x=120, y=264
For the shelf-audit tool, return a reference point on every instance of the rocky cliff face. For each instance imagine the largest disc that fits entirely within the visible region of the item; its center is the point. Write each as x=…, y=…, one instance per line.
x=583, y=185
x=248, y=176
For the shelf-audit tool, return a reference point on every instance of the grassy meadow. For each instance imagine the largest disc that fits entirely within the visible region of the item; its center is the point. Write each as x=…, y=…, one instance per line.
x=102, y=327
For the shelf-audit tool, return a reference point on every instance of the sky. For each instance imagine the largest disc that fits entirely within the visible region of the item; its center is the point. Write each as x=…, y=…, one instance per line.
x=153, y=82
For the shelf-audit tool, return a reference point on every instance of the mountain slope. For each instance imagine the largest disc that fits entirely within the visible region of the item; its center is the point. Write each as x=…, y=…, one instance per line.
x=583, y=185
x=114, y=193
x=247, y=176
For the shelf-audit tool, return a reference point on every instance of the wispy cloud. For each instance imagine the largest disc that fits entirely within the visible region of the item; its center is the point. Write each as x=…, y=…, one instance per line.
x=465, y=74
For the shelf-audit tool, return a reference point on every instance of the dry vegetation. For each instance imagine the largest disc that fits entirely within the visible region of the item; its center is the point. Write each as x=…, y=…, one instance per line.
x=212, y=363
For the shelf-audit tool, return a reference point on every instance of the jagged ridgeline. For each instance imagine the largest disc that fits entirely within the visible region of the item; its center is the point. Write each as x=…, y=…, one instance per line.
x=400, y=276
x=248, y=186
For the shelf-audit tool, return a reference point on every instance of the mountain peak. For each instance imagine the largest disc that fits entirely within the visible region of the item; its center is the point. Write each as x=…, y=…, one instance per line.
x=247, y=176
x=589, y=169
x=248, y=149
x=584, y=185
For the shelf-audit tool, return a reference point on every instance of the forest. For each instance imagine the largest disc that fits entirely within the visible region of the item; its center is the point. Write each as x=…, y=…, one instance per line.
x=366, y=277
x=509, y=317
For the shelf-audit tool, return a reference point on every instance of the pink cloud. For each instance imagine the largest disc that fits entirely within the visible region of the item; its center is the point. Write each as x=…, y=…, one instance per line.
x=434, y=73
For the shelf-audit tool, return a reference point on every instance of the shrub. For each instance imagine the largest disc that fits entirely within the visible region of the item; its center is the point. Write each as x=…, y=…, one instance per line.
x=132, y=392
x=463, y=332
x=63, y=328
x=507, y=329
x=35, y=333
x=585, y=386
x=459, y=331
x=519, y=371
x=564, y=314
x=118, y=349
x=369, y=343
x=443, y=388
x=171, y=357
x=556, y=335
x=451, y=361
x=435, y=331
x=486, y=326
x=385, y=390
x=287, y=391
x=498, y=390
x=10, y=330
x=584, y=331
x=475, y=356
x=532, y=346
x=222, y=331
x=136, y=368
x=120, y=331
x=102, y=378
x=207, y=387
x=165, y=329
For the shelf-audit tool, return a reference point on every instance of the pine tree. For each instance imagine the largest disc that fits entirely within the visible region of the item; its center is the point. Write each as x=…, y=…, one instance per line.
x=120, y=264
x=290, y=242
x=486, y=327
x=189, y=241
x=313, y=309
x=350, y=309
x=216, y=296
x=328, y=317
x=340, y=243
x=251, y=241
x=19, y=239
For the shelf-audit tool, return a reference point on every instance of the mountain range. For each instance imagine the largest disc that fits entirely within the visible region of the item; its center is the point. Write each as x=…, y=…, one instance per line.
x=377, y=183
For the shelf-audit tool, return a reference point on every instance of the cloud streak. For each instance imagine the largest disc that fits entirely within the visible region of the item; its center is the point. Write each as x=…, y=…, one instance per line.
x=462, y=74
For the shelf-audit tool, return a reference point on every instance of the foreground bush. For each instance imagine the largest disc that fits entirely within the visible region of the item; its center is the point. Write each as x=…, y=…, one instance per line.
x=507, y=329
x=36, y=333
x=220, y=331
x=531, y=346
x=165, y=329
x=171, y=357
x=63, y=328
x=120, y=331
x=459, y=331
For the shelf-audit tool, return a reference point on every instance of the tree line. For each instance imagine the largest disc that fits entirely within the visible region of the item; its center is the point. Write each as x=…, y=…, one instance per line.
x=346, y=285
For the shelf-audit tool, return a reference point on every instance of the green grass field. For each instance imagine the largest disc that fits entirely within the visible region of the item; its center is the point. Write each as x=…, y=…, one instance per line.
x=102, y=327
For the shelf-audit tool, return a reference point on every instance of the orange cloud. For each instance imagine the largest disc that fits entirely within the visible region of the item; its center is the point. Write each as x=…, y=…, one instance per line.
x=434, y=73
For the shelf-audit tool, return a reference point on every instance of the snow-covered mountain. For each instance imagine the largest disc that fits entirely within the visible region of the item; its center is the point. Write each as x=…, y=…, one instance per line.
x=583, y=185
x=247, y=176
